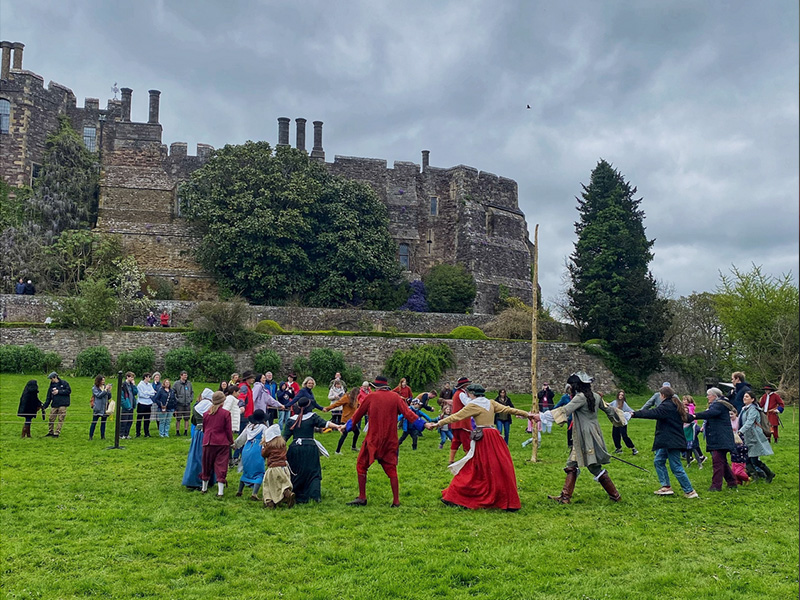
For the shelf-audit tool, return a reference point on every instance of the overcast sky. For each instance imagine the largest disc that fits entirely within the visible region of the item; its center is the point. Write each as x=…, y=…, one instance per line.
x=696, y=103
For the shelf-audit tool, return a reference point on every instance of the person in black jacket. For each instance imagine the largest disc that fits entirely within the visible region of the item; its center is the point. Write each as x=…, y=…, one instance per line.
x=669, y=441
x=29, y=406
x=740, y=386
x=719, y=438
x=58, y=396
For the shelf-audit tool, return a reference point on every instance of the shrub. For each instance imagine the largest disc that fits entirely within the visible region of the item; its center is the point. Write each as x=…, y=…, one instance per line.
x=420, y=365
x=93, y=308
x=30, y=358
x=9, y=359
x=180, y=359
x=138, y=360
x=269, y=327
x=449, y=288
x=352, y=376
x=215, y=366
x=325, y=363
x=513, y=323
x=416, y=301
x=301, y=368
x=163, y=289
x=51, y=361
x=267, y=360
x=387, y=295
x=219, y=325
x=467, y=332
x=95, y=360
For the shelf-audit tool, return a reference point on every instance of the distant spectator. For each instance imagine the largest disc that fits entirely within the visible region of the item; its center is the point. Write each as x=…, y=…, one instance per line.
x=29, y=289
x=164, y=318
x=447, y=391
x=151, y=319
x=183, y=397
x=58, y=394
x=20, y=287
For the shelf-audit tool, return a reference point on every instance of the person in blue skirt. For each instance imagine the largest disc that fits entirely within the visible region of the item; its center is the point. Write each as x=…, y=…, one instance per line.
x=252, y=464
x=191, y=474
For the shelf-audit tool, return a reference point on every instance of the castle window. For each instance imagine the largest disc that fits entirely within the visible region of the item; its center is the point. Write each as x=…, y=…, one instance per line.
x=36, y=170
x=5, y=115
x=434, y=206
x=403, y=255
x=90, y=138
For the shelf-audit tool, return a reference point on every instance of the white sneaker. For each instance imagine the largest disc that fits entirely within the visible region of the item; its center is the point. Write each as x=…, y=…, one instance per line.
x=692, y=494
x=664, y=491
x=527, y=442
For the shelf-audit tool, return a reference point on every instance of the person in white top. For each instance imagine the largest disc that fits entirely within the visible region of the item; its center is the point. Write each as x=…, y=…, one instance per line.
x=144, y=405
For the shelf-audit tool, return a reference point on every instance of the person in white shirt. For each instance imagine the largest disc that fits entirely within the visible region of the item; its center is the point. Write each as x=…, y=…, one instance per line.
x=144, y=405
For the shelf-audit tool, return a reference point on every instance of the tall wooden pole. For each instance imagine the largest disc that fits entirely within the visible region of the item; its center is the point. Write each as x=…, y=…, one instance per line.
x=534, y=337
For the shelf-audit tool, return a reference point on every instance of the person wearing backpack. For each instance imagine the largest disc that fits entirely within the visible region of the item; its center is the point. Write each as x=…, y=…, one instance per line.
x=754, y=430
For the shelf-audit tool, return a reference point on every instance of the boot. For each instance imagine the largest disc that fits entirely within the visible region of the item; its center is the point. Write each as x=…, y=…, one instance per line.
x=26, y=430
x=608, y=485
x=569, y=486
x=770, y=475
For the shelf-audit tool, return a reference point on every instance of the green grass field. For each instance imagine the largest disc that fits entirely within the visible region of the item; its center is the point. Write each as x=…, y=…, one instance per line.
x=82, y=521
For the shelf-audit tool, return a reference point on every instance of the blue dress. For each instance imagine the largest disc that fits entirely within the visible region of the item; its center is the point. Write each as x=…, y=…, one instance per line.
x=191, y=474
x=252, y=461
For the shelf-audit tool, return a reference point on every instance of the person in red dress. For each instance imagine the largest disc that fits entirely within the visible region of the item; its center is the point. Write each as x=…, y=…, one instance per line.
x=462, y=428
x=381, y=407
x=485, y=477
x=217, y=440
x=404, y=391
x=772, y=404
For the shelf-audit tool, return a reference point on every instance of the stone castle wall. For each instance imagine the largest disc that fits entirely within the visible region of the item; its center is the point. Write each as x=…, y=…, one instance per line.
x=494, y=364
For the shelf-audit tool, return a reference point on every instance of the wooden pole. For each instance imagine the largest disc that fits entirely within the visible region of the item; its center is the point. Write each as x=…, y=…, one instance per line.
x=534, y=337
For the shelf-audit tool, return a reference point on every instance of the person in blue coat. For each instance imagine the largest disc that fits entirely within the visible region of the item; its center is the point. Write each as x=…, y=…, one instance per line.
x=719, y=438
x=408, y=427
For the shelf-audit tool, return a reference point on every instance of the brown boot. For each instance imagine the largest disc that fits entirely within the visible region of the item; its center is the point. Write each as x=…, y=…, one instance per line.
x=26, y=430
x=569, y=486
x=289, y=497
x=608, y=485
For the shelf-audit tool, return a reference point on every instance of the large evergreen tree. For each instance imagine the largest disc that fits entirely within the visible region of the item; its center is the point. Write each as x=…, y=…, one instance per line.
x=278, y=227
x=612, y=292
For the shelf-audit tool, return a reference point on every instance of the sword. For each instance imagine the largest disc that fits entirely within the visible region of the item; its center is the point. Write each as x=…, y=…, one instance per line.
x=629, y=463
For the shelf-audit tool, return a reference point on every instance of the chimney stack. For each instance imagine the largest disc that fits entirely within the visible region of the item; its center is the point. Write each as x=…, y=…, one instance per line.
x=301, y=134
x=126, y=103
x=317, y=151
x=426, y=157
x=18, y=46
x=154, y=99
x=6, y=46
x=283, y=131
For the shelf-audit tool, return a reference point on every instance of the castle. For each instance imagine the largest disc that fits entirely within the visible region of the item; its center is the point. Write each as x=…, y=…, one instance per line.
x=451, y=215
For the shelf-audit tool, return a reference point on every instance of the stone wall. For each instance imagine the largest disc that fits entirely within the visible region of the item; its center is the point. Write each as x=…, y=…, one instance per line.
x=35, y=309
x=494, y=364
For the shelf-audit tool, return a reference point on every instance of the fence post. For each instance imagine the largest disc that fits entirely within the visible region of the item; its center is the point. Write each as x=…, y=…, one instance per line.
x=117, y=415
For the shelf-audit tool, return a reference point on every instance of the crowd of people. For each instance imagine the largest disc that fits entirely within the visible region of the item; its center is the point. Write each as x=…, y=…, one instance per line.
x=267, y=429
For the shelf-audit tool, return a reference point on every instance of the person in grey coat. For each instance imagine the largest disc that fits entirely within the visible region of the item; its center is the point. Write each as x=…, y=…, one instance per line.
x=656, y=399
x=753, y=436
x=101, y=394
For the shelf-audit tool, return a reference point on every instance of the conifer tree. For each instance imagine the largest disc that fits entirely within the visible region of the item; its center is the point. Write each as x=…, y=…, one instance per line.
x=612, y=293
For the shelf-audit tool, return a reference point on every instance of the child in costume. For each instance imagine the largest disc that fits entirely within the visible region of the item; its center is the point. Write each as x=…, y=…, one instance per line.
x=252, y=465
x=739, y=461
x=408, y=426
x=277, y=486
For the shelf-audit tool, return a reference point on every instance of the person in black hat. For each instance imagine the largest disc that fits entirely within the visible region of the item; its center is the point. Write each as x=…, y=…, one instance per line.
x=462, y=428
x=772, y=404
x=382, y=406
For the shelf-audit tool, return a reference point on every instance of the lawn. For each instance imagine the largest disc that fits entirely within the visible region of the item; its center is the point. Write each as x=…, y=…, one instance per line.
x=79, y=520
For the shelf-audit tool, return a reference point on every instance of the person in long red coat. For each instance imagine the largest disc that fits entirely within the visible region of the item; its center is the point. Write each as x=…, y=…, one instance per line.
x=460, y=429
x=217, y=440
x=772, y=404
x=382, y=407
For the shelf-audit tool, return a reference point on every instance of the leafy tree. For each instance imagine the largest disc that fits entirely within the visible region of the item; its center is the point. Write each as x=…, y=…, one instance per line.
x=695, y=340
x=449, y=288
x=420, y=365
x=278, y=227
x=761, y=317
x=612, y=292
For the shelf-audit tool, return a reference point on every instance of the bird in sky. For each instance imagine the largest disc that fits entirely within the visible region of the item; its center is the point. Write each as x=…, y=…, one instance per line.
x=529, y=105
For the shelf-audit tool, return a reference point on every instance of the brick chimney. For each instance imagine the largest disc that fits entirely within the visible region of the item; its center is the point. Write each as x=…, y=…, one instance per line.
x=317, y=151
x=283, y=131
x=18, y=46
x=126, y=103
x=6, y=46
x=154, y=99
x=301, y=134
x=426, y=157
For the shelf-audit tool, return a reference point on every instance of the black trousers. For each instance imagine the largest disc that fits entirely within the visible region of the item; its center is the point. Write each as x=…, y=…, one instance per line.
x=125, y=422
x=621, y=433
x=414, y=436
x=355, y=432
x=143, y=414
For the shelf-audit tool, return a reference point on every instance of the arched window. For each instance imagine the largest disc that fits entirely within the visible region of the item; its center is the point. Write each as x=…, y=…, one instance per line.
x=5, y=115
x=403, y=254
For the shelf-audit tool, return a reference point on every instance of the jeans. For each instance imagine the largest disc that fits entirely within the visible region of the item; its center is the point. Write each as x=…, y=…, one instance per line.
x=503, y=427
x=283, y=417
x=164, y=420
x=444, y=435
x=102, y=426
x=355, y=431
x=675, y=465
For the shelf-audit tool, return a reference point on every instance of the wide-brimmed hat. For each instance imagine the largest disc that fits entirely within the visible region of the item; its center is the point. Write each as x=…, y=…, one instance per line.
x=258, y=416
x=217, y=398
x=770, y=387
x=304, y=402
x=248, y=375
x=462, y=382
x=476, y=388
x=380, y=381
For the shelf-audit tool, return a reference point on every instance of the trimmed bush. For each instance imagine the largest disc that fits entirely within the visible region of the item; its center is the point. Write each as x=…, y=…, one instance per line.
x=467, y=332
x=30, y=358
x=140, y=360
x=27, y=359
x=420, y=365
x=9, y=359
x=215, y=366
x=51, y=361
x=270, y=327
x=325, y=363
x=352, y=376
x=95, y=360
x=267, y=360
x=180, y=359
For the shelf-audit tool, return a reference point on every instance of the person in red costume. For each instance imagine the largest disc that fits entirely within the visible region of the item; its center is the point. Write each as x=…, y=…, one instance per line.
x=382, y=406
x=404, y=391
x=772, y=404
x=460, y=429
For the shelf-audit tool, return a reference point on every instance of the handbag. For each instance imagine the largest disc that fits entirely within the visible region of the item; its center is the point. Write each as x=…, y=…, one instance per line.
x=112, y=407
x=476, y=435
